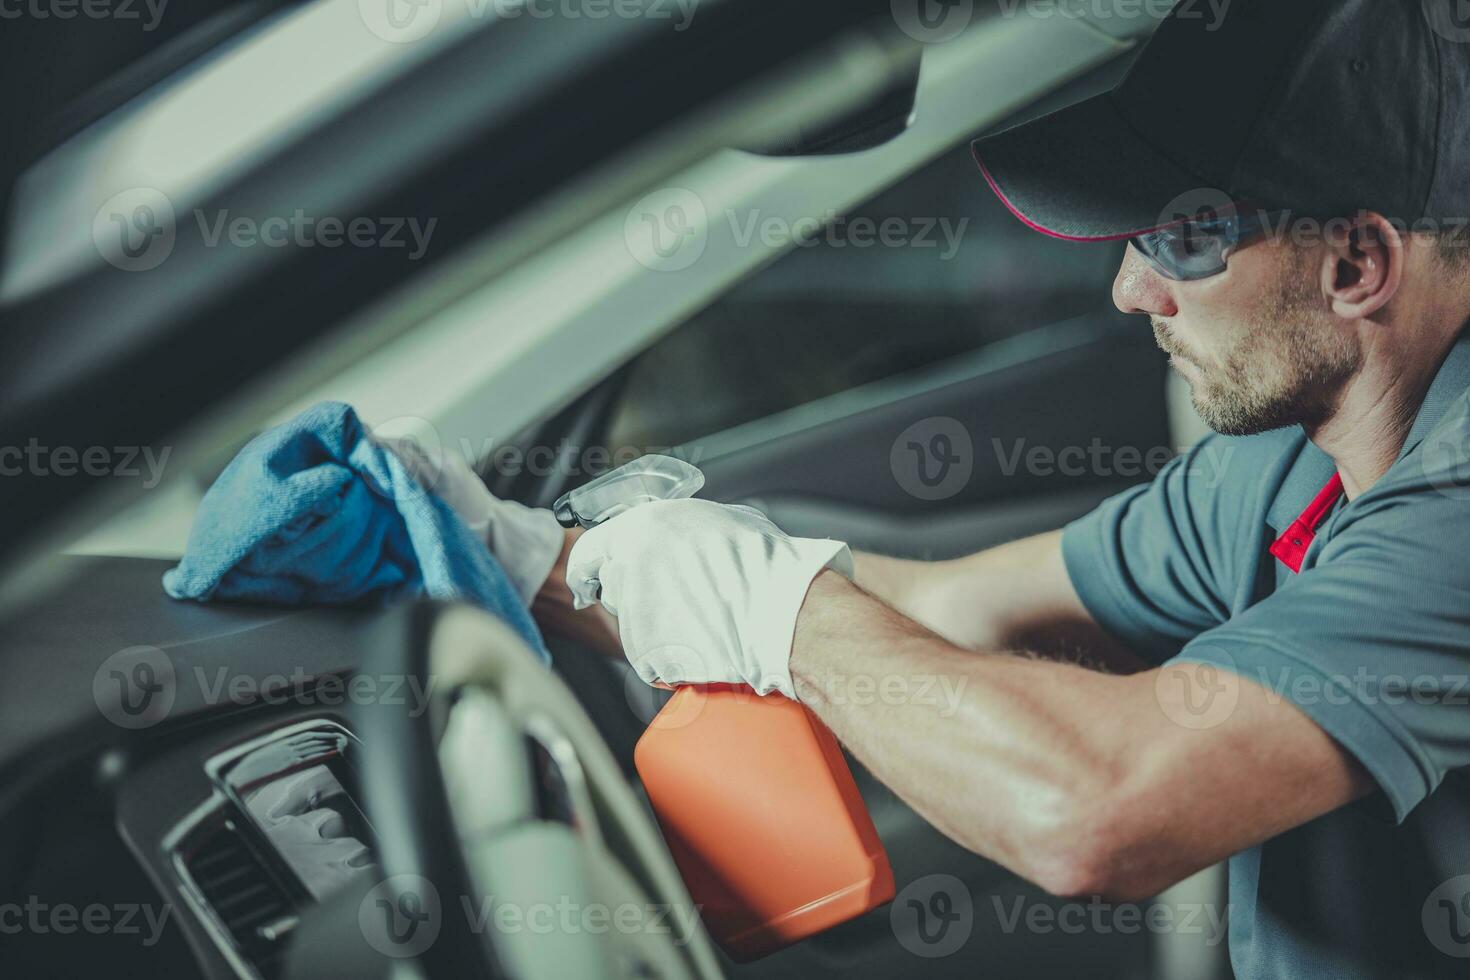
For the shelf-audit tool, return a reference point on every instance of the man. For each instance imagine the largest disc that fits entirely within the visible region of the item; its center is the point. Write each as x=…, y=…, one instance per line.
x=1287, y=646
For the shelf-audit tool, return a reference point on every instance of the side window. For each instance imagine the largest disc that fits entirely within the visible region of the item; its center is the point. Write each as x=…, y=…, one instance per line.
x=955, y=272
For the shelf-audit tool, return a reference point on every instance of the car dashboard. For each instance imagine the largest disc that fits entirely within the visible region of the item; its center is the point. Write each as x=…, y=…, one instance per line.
x=216, y=741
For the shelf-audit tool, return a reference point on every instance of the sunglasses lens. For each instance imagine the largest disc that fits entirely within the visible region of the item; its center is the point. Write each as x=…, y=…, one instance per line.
x=1184, y=253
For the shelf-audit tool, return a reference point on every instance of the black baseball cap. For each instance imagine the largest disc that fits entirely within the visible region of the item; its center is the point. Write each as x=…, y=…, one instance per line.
x=1324, y=107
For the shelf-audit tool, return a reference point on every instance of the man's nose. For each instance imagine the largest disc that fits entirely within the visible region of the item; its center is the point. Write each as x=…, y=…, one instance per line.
x=1139, y=289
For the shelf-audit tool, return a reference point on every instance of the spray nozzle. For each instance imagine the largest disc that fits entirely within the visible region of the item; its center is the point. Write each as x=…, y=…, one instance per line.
x=649, y=478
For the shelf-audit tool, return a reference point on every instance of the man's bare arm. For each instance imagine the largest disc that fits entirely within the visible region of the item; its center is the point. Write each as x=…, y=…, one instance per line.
x=1080, y=781
x=1015, y=596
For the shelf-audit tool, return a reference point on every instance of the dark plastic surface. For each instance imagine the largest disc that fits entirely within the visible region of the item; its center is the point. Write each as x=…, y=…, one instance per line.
x=53, y=651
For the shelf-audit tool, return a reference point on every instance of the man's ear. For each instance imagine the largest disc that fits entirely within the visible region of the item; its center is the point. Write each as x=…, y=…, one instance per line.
x=1364, y=265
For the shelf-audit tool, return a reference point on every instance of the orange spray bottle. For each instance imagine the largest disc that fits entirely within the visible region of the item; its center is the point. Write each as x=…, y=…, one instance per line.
x=753, y=794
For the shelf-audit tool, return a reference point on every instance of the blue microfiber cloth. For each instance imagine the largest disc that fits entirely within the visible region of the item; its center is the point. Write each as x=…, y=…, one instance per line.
x=315, y=512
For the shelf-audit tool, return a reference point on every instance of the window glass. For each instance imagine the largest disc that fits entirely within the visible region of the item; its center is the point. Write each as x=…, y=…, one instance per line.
x=958, y=272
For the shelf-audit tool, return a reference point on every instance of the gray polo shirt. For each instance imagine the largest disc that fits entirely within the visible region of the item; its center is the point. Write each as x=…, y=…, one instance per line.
x=1371, y=638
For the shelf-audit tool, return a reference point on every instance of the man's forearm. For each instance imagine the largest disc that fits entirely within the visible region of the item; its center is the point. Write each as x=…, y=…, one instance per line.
x=1014, y=596
x=1080, y=781
x=964, y=600
x=962, y=738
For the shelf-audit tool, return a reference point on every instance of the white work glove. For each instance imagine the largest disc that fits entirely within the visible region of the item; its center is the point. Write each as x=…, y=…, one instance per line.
x=704, y=593
x=526, y=541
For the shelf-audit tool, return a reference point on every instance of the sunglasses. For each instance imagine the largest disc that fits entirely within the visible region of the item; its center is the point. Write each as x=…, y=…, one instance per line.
x=1200, y=248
